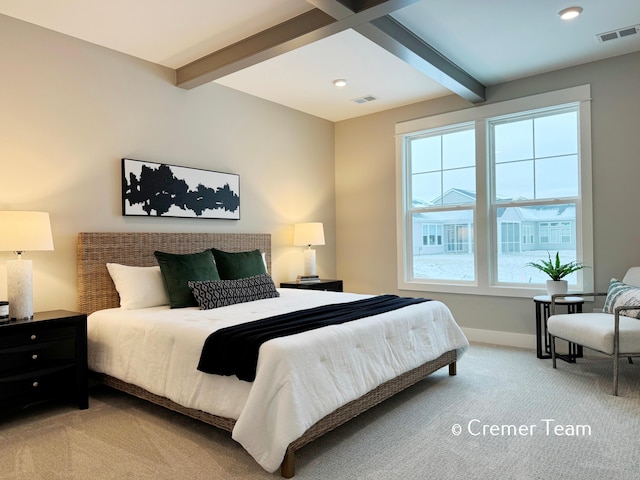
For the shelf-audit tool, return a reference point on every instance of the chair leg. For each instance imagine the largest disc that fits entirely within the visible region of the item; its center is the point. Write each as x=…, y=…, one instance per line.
x=553, y=350
x=615, y=375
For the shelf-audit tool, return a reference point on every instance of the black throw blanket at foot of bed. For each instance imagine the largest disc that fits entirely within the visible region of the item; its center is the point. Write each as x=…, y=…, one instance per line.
x=234, y=350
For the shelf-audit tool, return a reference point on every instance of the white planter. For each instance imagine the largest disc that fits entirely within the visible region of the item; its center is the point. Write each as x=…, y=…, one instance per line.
x=556, y=287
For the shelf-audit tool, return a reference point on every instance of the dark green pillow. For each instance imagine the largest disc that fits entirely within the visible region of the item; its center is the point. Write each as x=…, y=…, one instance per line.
x=178, y=269
x=232, y=266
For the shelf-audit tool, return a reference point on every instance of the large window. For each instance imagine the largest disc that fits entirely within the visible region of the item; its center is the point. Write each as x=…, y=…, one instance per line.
x=484, y=191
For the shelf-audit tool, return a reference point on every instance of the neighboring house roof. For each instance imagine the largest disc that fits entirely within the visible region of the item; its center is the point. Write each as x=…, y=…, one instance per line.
x=546, y=213
x=454, y=196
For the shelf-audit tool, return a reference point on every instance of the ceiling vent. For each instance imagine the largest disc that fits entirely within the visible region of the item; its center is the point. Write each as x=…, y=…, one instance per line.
x=620, y=33
x=365, y=99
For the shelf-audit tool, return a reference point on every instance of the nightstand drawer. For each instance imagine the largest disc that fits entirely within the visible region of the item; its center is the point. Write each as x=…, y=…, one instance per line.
x=37, y=386
x=39, y=355
x=33, y=334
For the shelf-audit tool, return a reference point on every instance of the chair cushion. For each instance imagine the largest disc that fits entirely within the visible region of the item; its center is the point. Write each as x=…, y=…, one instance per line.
x=595, y=331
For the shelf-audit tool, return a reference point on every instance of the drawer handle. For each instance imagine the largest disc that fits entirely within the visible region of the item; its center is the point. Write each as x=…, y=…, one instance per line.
x=35, y=384
x=34, y=356
x=33, y=337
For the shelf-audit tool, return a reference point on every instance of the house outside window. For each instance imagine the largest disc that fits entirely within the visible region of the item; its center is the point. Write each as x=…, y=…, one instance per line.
x=500, y=185
x=555, y=233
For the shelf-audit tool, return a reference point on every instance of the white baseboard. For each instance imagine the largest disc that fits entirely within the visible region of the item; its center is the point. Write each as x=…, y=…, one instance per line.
x=495, y=337
x=519, y=340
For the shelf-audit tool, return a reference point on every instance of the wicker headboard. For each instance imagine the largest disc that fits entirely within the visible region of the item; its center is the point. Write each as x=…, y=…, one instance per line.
x=95, y=287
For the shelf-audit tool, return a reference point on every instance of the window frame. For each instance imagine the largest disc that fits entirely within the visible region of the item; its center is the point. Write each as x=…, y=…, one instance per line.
x=484, y=231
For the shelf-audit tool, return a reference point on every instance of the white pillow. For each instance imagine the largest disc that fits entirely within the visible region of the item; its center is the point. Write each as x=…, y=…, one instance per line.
x=138, y=287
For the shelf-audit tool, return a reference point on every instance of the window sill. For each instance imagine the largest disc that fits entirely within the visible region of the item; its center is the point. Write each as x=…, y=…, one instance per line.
x=495, y=291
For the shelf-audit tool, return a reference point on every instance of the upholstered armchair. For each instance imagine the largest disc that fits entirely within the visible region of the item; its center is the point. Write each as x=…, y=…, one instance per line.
x=614, y=332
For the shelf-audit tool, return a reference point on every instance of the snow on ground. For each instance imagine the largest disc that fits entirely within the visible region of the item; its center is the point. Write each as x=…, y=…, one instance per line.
x=511, y=267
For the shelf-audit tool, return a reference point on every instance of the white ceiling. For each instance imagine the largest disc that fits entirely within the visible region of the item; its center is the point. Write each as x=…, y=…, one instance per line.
x=492, y=40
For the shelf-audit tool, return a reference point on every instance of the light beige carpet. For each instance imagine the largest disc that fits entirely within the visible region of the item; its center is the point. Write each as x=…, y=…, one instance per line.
x=568, y=426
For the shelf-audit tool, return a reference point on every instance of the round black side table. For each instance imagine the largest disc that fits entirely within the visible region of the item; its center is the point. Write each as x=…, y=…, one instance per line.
x=543, y=311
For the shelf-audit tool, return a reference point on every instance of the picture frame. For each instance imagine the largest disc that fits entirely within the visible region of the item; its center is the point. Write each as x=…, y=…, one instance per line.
x=164, y=190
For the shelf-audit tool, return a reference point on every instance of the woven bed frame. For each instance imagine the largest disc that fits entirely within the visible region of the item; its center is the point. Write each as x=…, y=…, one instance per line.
x=96, y=292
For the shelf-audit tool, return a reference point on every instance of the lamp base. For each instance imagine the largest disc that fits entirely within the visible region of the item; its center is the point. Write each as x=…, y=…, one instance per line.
x=309, y=262
x=20, y=289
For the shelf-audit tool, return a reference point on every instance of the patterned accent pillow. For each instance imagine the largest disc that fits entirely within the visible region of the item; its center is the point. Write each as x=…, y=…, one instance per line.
x=220, y=293
x=621, y=294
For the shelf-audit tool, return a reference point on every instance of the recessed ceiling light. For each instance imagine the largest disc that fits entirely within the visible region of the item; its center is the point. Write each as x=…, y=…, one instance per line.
x=570, y=13
x=340, y=82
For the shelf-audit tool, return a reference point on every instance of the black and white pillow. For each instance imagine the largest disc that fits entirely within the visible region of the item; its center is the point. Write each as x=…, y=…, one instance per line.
x=220, y=293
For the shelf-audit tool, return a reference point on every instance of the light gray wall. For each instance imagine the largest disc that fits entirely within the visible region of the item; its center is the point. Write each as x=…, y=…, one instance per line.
x=365, y=189
x=71, y=110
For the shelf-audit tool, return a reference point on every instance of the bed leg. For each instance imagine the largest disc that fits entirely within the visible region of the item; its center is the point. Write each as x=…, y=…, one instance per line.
x=452, y=369
x=288, y=465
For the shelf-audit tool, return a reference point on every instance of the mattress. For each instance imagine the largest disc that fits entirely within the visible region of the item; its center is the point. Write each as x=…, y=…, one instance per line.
x=300, y=378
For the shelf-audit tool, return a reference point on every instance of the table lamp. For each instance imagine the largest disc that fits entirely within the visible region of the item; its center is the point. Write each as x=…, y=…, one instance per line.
x=308, y=234
x=20, y=232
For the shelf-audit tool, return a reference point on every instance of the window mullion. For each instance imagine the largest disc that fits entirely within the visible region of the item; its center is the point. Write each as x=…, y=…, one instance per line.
x=482, y=218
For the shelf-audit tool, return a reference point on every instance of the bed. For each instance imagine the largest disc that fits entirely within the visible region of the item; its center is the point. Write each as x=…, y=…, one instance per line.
x=256, y=424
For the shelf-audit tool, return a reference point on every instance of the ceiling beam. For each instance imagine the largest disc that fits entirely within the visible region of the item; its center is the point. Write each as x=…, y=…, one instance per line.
x=297, y=32
x=284, y=37
x=340, y=9
x=403, y=43
x=369, y=17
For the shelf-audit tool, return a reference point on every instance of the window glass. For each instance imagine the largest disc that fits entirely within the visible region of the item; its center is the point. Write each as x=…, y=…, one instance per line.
x=556, y=134
x=514, y=141
x=552, y=236
x=557, y=177
x=514, y=180
x=444, y=173
x=449, y=253
x=426, y=154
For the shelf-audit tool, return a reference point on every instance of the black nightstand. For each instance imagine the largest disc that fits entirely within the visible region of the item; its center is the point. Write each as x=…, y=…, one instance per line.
x=323, y=284
x=44, y=359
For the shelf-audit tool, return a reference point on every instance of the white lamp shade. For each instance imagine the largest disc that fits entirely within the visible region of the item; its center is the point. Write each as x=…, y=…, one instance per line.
x=308, y=234
x=25, y=231
x=19, y=232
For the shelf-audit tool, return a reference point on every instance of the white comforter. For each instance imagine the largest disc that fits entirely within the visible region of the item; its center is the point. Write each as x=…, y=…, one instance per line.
x=300, y=378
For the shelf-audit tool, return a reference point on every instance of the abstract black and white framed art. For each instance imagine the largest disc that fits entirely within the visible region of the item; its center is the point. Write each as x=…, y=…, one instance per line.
x=161, y=190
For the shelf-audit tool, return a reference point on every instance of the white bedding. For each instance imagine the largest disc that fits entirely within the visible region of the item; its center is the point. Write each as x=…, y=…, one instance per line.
x=300, y=378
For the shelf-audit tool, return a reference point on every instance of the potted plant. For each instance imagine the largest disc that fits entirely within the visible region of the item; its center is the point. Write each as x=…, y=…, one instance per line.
x=556, y=271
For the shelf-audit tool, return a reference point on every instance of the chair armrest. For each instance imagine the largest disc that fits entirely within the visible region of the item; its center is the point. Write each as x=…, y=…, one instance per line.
x=573, y=294
x=616, y=325
x=619, y=309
